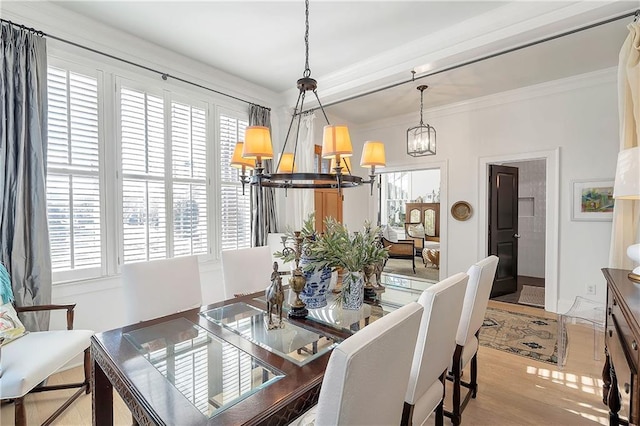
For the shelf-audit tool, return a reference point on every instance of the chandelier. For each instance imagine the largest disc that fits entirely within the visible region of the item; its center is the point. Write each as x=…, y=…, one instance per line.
x=336, y=146
x=421, y=140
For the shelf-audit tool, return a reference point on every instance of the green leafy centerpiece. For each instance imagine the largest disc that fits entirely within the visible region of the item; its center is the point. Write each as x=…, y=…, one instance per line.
x=337, y=248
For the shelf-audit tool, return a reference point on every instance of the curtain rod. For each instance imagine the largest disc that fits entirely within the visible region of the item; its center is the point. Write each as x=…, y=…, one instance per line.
x=162, y=74
x=413, y=78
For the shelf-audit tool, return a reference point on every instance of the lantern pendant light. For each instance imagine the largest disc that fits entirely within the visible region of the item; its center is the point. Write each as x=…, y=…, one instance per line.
x=421, y=140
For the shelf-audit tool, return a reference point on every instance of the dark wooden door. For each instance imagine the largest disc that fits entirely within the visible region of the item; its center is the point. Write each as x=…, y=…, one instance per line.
x=503, y=227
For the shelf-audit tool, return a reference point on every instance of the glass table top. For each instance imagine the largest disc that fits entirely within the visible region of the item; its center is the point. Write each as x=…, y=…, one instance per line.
x=292, y=342
x=211, y=374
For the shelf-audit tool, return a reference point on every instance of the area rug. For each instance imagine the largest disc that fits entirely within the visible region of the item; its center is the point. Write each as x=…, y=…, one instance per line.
x=532, y=296
x=403, y=267
x=521, y=334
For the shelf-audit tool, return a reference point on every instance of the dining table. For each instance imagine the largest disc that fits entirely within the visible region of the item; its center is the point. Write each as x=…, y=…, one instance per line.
x=221, y=364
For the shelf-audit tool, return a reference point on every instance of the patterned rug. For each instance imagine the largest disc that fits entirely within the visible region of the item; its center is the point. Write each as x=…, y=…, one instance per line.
x=521, y=334
x=403, y=267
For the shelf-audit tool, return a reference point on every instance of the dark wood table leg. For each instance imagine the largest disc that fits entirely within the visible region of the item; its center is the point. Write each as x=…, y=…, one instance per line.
x=606, y=378
x=613, y=400
x=102, y=396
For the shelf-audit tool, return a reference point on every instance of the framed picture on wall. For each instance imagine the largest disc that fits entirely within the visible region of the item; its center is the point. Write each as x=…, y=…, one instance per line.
x=592, y=200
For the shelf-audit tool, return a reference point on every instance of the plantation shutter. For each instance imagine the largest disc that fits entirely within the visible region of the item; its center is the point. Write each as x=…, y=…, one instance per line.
x=236, y=208
x=143, y=176
x=189, y=165
x=73, y=184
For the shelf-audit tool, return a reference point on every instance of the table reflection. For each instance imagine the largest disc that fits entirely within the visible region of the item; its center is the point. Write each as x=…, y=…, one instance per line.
x=210, y=373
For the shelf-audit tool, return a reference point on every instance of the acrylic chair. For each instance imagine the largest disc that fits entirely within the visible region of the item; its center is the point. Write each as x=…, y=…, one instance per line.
x=29, y=360
x=481, y=277
x=367, y=374
x=442, y=304
x=161, y=287
x=246, y=271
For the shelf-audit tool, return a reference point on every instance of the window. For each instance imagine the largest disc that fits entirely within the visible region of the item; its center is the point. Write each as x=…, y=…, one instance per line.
x=143, y=176
x=236, y=207
x=151, y=230
x=396, y=187
x=73, y=179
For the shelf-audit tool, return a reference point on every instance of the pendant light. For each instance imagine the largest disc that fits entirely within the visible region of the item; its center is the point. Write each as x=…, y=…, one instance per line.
x=421, y=140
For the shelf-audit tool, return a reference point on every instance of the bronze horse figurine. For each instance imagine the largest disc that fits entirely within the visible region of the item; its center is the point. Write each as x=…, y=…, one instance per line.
x=274, y=295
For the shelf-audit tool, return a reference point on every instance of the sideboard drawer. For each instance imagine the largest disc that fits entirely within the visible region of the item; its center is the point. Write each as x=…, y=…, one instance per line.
x=627, y=339
x=625, y=374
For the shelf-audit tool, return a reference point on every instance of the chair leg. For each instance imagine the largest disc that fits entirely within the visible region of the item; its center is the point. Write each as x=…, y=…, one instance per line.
x=474, y=375
x=440, y=407
x=87, y=371
x=21, y=414
x=457, y=373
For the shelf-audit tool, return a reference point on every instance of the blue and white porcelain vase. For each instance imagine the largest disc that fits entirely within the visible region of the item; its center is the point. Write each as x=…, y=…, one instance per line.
x=352, y=290
x=314, y=293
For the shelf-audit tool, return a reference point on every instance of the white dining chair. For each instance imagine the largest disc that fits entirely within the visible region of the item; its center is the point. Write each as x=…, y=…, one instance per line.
x=160, y=287
x=246, y=271
x=442, y=305
x=366, y=377
x=481, y=277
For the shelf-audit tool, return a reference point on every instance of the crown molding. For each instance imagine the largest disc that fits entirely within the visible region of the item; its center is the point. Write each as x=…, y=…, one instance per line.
x=513, y=24
x=568, y=84
x=68, y=25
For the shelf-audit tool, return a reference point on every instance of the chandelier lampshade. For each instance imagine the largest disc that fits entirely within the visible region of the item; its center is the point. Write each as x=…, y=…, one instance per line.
x=373, y=154
x=421, y=139
x=336, y=141
x=257, y=143
x=238, y=161
x=286, y=163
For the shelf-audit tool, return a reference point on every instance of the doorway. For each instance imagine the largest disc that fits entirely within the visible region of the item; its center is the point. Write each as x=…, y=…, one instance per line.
x=529, y=211
x=409, y=214
x=542, y=220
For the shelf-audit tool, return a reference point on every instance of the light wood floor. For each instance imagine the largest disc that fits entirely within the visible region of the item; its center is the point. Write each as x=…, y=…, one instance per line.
x=513, y=390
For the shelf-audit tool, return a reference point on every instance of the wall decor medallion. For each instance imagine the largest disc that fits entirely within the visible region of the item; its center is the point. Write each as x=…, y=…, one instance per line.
x=461, y=210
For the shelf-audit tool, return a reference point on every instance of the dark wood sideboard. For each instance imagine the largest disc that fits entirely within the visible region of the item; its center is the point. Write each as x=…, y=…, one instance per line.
x=620, y=373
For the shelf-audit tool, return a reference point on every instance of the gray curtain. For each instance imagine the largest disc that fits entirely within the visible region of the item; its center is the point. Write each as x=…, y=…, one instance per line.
x=264, y=216
x=24, y=235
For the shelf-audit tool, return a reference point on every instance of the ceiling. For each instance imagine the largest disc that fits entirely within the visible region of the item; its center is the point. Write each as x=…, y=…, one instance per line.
x=357, y=46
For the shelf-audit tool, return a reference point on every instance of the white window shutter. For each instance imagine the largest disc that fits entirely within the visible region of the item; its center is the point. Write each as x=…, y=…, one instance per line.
x=236, y=208
x=73, y=184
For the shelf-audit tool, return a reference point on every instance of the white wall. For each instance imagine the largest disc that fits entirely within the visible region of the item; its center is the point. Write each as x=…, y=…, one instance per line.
x=578, y=115
x=531, y=222
x=424, y=182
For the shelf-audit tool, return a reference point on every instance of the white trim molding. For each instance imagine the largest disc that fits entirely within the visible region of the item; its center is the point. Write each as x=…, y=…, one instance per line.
x=552, y=161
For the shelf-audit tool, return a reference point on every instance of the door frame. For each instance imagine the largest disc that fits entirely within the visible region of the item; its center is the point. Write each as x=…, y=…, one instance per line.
x=444, y=203
x=551, y=244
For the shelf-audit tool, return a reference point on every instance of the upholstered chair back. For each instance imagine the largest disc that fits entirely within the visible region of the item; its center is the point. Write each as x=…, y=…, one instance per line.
x=476, y=298
x=366, y=377
x=442, y=304
x=160, y=287
x=246, y=270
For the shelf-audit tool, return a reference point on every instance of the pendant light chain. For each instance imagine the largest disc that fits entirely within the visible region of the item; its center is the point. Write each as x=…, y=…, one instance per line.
x=421, y=106
x=307, y=70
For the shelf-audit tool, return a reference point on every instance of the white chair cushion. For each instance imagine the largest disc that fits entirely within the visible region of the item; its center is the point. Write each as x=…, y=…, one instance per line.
x=161, y=287
x=424, y=405
x=246, y=270
x=468, y=351
x=416, y=231
x=29, y=360
x=390, y=234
